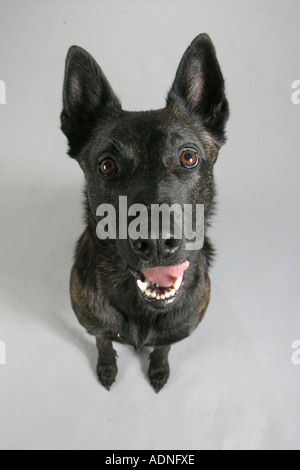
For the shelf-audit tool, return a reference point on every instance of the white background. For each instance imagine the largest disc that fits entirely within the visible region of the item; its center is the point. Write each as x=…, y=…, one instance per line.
x=233, y=384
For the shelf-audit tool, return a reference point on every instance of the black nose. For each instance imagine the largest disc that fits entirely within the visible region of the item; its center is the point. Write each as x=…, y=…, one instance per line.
x=155, y=250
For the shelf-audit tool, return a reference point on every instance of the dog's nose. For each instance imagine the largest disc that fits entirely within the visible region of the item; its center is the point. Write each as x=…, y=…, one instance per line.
x=155, y=250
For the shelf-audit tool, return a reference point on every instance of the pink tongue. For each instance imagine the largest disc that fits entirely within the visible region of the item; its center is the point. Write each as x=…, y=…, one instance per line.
x=165, y=276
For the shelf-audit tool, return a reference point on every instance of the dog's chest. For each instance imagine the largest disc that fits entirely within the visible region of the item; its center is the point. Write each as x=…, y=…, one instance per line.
x=132, y=334
x=141, y=334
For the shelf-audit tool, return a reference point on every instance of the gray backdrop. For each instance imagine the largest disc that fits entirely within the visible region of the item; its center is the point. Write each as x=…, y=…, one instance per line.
x=233, y=382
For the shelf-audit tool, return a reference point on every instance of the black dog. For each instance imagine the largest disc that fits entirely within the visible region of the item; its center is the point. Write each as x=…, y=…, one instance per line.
x=144, y=292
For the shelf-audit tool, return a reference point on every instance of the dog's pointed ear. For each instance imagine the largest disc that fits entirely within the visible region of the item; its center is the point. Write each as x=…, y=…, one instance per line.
x=87, y=95
x=199, y=87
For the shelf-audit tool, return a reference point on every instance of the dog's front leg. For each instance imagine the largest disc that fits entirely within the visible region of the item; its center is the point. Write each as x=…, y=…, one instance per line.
x=107, y=364
x=159, y=369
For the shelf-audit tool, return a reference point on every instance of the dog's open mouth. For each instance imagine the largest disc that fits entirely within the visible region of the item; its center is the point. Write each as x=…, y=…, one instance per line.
x=162, y=284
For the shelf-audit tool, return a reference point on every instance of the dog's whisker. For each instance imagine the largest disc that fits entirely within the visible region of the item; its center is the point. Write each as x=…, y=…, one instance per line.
x=114, y=142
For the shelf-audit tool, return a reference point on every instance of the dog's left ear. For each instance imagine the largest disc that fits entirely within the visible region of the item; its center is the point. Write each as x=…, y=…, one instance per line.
x=199, y=87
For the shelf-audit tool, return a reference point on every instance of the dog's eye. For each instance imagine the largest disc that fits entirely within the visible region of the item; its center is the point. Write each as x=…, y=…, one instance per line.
x=108, y=167
x=189, y=158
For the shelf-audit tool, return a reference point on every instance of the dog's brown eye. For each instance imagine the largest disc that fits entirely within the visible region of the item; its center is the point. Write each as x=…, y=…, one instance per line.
x=108, y=167
x=189, y=158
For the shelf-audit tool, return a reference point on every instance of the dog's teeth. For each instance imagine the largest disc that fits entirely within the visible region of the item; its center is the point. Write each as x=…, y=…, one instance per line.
x=155, y=294
x=172, y=292
x=177, y=283
x=142, y=285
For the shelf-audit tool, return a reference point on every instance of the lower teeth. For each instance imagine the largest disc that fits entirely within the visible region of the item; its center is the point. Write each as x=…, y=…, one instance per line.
x=153, y=291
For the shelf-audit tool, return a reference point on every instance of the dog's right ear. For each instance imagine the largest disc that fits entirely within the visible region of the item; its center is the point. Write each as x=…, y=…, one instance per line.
x=87, y=96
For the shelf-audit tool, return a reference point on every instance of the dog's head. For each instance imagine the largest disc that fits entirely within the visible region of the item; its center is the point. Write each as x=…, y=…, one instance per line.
x=138, y=160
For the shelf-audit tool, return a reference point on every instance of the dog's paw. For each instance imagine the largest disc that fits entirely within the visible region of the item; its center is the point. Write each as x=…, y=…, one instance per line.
x=107, y=374
x=159, y=377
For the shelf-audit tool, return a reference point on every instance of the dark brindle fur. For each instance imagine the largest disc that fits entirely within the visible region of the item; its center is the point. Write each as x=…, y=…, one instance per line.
x=146, y=147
